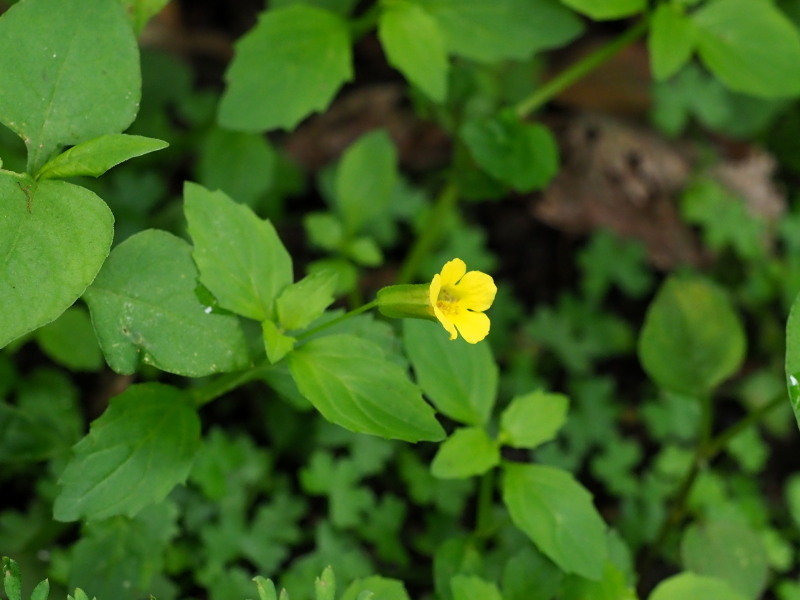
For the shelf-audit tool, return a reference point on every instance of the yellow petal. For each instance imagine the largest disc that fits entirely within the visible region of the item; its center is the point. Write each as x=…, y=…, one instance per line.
x=476, y=291
x=452, y=271
x=433, y=292
x=446, y=322
x=472, y=326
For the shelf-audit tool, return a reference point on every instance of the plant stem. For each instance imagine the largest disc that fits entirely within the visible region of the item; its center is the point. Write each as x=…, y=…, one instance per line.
x=483, y=518
x=344, y=317
x=578, y=70
x=223, y=384
x=445, y=203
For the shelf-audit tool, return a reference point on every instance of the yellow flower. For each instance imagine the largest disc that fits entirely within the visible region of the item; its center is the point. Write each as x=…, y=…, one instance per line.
x=459, y=298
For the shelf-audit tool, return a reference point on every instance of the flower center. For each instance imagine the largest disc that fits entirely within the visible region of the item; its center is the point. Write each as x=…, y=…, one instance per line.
x=447, y=302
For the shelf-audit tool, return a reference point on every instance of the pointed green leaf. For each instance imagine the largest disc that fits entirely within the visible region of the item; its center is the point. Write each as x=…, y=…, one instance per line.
x=480, y=30
x=352, y=383
x=240, y=257
x=50, y=253
x=533, y=419
x=276, y=343
x=145, y=308
x=289, y=65
x=469, y=451
x=304, y=301
x=522, y=155
x=692, y=338
x=96, y=156
x=41, y=591
x=459, y=378
x=671, y=40
x=12, y=580
x=325, y=585
x=754, y=49
x=607, y=9
x=136, y=452
x=365, y=179
x=266, y=589
x=69, y=72
x=472, y=587
x=414, y=45
x=557, y=513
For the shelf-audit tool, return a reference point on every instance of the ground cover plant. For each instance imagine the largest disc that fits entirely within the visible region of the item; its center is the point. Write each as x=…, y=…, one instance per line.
x=404, y=299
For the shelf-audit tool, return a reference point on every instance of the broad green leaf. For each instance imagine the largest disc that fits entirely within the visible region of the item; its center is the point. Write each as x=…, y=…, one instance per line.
x=469, y=451
x=135, y=453
x=351, y=382
x=240, y=257
x=12, y=579
x=522, y=155
x=529, y=575
x=69, y=72
x=607, y=9
x=98, y=155
x=728, y=550
x=557, y=513
x=692, y=338
x=289, y=65
x=612, y=586
x=145, y=308
x=472, y=587
x=240, y=164
x=414, y=45
x=383, y=588
x=276, y=343
x=753, y=49
x=689, y=586
x=459, y=378
x=365, y=179
x=488, y=31
x=53, y=241
x=671, y=40
x=70, y=340
x=304, y=301
x=533, y=419
x=120, y=557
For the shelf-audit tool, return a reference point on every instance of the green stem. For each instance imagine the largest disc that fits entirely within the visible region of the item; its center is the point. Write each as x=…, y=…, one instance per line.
x=337, y=320
x=578, y=70
x=223, y=384
x=425, y=241
x=483, y=519
x=365, y=23
x=716, y=445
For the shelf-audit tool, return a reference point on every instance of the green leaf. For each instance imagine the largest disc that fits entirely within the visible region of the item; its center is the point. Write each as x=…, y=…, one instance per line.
x=141, y=11
x=459, y=378
x=240, y=256
x=365, y=179
x=522, y=155
x=352, y=383
x=304, y=301
x=276, y=343
x=792, y=364
x=83, y=81
x=612, y=586
x=325, y=585
x=145, y=309
x=266, y=589
x=50, y=253
x=692, y=339
x=529, y=575
x=12, y=580
x=240, y=164
x=485, y=31
x=557, y=513
x=472, y=587
x=383, y=588
x=753, y=49
x=70, y=341
x=135, y=453
x=289, y=65
x=533, y=419
x=689, y=586
x=41, y=591
x=469, y=451
x=600, y=10
x=671, y=40
x=98, y=155
x=414, y=45
x=729, y=551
